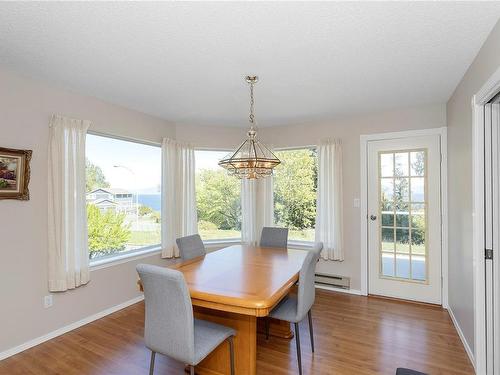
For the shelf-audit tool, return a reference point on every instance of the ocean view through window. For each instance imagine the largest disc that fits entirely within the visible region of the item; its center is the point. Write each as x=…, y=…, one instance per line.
x=218, y=198
x=123, y=195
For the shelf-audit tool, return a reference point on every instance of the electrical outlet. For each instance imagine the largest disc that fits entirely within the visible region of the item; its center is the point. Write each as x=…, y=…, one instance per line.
x=48, y=301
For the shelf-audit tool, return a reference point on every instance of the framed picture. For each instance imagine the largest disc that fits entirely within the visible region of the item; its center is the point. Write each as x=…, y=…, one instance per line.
x=14, y=173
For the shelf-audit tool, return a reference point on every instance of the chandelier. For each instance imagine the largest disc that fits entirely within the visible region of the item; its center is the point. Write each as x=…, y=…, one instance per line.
x=252, y=159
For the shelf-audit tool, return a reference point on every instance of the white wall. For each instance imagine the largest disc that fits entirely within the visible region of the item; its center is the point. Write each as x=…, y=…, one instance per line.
x=25, y=109
x=349, y=130
x=459, y=115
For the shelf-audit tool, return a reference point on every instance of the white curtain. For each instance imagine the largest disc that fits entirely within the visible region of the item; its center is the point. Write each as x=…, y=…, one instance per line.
x=67, y=218
x=178, y=209
x=257, y=209
x=329, y=199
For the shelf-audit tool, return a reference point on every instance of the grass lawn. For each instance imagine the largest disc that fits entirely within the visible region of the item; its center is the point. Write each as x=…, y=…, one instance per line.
x=301, y=235
x=144, y=238
x=404, y=248
x=219, y=234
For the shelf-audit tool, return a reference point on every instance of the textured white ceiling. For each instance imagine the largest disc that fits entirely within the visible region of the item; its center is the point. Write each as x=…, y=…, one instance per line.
x=185, y=62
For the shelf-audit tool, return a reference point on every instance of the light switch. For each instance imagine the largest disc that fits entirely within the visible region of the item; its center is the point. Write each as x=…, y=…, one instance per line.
x=356, y=203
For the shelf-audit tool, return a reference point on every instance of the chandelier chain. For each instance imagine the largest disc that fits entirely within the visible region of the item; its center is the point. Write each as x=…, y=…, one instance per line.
x=252, y=159
x=252, y=102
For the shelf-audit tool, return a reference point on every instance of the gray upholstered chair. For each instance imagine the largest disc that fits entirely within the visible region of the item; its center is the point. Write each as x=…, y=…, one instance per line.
x=294, y=308
x=170, y=327
x=274, y=237
x=318, y=246
x=190, y=247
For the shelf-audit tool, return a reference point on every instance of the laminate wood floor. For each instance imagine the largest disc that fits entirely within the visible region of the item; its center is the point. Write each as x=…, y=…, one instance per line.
x=353, y=335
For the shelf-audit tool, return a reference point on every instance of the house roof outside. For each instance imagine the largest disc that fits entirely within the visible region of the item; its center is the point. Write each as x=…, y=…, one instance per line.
x=113, y=191
x=101, y=201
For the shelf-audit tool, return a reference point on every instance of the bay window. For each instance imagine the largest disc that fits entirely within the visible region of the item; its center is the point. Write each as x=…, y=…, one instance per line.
x=123, y=195
x=218, y=198
x=295, y=186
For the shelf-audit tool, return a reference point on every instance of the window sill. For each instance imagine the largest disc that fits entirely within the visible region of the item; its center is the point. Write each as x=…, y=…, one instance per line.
x=210, y=244
x=301, y=245
x=111, y=261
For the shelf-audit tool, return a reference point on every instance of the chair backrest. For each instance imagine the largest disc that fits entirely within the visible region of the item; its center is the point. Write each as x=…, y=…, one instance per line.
x=306, y=292
x=190, y=247
x=318, y=246
x=274, y=237
x=169, y=325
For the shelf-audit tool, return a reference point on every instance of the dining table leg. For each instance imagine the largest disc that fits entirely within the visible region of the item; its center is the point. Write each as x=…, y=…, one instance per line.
x=245, y=344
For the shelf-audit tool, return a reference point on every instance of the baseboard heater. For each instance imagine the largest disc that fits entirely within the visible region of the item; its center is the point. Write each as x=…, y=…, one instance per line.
x=333, y=280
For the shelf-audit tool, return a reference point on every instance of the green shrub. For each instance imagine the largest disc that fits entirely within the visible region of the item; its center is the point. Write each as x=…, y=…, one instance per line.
x=145, y=210
x=107, y=232
x=206, y=225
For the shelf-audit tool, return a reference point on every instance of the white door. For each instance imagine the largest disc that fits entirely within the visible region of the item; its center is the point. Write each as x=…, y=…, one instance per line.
x=404, y=218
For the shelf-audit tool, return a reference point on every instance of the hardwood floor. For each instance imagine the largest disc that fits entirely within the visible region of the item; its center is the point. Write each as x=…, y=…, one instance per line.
x=353, y=335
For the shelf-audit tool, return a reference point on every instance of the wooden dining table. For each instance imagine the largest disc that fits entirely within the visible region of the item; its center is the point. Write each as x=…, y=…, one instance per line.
x=235, y=286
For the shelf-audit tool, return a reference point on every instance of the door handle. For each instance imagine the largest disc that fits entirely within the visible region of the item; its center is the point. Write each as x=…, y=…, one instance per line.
x=373, y=217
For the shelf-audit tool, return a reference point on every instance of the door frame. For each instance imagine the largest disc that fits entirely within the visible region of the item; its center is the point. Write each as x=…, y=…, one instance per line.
x=483, y=96
x=364, y=140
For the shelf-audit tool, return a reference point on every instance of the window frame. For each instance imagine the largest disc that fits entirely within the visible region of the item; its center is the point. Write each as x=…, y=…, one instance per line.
x=216, y=242
x=297, y=244
x=124, y=256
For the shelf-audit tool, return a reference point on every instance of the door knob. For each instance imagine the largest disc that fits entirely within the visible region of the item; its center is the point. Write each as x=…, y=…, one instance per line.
x=373, y=217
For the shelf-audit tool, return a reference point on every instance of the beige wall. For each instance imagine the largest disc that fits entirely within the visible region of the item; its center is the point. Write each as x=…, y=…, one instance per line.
x=25, y=109
x=459, y=115
x=349, y=130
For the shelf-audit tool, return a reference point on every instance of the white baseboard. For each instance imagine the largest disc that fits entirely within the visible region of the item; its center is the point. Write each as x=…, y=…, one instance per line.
x=462, y=337
x=58, y=332
x=332, y=288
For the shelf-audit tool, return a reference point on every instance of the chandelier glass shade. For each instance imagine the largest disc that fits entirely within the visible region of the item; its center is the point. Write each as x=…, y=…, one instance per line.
x=252, y=159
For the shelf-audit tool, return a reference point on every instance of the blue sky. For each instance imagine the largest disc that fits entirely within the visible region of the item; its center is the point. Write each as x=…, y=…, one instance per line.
x=143, y=163
x=139, y=165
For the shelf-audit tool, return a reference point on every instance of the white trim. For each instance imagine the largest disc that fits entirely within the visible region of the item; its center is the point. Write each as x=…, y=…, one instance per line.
x=292, y=148
x=363, y=140
x=300, y=245
x=105, y=262
x=340, y=290
x=363, y=211
x=211, y=244
x=487, y=92
x=402, y=134
x=444, y=217
x=126, y=139
x=58, y=332
x=215, y=149
x=467, y=348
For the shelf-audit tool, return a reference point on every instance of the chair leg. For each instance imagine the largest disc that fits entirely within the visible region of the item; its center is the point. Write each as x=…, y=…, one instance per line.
x=266, y=321
x=152, y=363
x=297, y=341
x=311, y=332
x=191, y=369
x=231, y=353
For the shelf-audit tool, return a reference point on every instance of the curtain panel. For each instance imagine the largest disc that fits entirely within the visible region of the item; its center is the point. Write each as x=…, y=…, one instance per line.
x=178, y=208
x=67, y=217
x=329, y=200
x=257, y=208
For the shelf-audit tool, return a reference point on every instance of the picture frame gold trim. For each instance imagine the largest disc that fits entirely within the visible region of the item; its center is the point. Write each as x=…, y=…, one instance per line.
x=22, y=193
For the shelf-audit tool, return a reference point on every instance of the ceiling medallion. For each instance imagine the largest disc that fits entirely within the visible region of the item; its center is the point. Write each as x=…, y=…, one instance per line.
x=252, y=159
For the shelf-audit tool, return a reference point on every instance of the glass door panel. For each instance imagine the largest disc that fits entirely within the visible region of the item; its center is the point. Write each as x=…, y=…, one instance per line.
x=402, y=209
